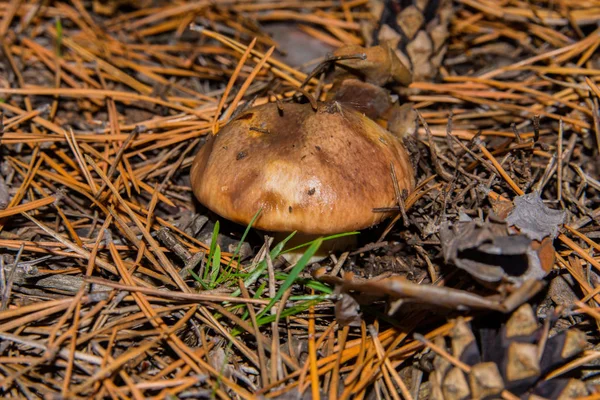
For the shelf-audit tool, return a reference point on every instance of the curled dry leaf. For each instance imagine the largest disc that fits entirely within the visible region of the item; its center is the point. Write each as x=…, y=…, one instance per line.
x=488, y=251
x=347, y=310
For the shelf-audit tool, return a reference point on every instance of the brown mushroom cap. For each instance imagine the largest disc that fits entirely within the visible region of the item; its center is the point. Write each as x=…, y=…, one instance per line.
x=317, y=172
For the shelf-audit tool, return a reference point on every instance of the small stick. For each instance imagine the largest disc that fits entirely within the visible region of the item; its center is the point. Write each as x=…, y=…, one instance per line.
x=536, y=128
x=430, y=266
x=7, y=287
x=172, y=243
x=399, y=196
x=340, y=263
x=560, y=160
x=468, y=149
x=277, y=100
x=548, y=171
x=311, y=99
x=513, y=126
x=449, y=125
x=323, y=64
x=433, y=151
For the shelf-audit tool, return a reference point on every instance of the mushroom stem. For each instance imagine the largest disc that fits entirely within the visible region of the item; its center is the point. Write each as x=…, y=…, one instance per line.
x=327, y=247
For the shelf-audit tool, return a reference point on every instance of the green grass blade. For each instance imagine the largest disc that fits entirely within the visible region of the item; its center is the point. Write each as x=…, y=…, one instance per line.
x=227, y=275
x=199, y=280
x=300, y=265
x=239, y=246
x=262, y=266
x=216, y=264
x=211, y=252
x=289, y=311
x=337, y=235
x=59, y=36
x=309, y=283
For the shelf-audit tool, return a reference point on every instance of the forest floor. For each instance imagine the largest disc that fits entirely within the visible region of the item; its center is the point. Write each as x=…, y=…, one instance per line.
x=116, y=283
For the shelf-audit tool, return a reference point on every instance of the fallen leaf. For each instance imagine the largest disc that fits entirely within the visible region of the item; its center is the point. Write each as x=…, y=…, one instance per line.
x=490, y=253
x=534, y=219
x=347, y=311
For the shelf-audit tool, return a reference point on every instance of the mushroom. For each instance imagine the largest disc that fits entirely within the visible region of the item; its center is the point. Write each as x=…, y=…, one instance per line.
x=317, y=172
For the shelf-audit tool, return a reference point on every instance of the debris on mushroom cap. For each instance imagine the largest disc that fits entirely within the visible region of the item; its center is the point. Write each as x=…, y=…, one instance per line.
x=380, y=66
x=315, y=171
x=364, y=97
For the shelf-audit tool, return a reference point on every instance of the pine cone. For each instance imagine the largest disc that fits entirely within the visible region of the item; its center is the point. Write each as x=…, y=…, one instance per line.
x=506, y=357
x=416, y=29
